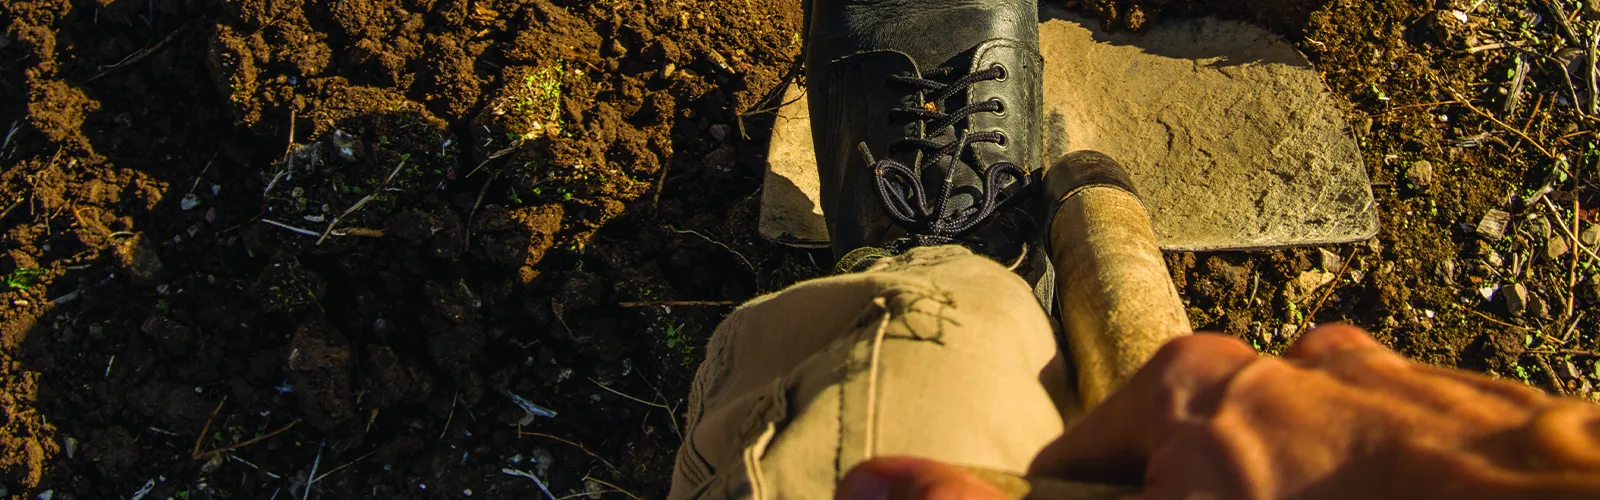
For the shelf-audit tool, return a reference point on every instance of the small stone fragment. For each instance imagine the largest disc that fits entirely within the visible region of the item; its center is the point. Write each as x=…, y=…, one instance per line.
x=1574, y=59
x=1493, y=225
x=1420, y=174
x=667, y=70
x=1446, y=270
x=1331, y=262
x=720, y=132
x=1488, y=291
x=1555, y=248
x=1590, y=236
x=1537, y=306
x=1517, y=299
x=189, y=201
x=1539, y=227
x=1303, y=286
x=1494, y=259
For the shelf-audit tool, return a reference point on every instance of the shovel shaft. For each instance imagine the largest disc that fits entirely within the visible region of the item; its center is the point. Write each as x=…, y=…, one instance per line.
x=1118, y=303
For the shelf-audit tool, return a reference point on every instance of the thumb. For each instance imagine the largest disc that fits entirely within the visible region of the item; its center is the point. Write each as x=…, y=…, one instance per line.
x=906, y=478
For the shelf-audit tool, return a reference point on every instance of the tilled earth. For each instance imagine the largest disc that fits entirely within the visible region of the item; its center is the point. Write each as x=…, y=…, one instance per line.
x=369, y=247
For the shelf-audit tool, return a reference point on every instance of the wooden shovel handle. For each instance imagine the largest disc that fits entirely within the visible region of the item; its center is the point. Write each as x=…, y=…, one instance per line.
x=1118, y=304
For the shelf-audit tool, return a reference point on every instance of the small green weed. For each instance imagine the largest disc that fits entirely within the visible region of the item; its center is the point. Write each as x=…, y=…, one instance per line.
x=539, y=98
x=23, y=277
x=678, y=343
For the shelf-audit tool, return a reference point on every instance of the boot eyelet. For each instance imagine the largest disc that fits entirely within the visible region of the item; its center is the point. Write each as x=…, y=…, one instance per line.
x=1002, y=142
x=1003, y=72
x=1001, y=105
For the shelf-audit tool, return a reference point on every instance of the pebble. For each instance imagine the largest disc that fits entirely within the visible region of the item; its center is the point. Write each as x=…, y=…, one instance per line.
x=1420, y=174
x=720, y=132
x=1488, y=291
x=1590, y=236
x=189, y=201
x=1540, y=227
x=1574, y=59
x=1493, y=225
x=1555, y=248
x=1517, y=299
x=1446, y=270
x=1537, y=306
x=1331, y=262
x=667, y=70
x=1494, y=260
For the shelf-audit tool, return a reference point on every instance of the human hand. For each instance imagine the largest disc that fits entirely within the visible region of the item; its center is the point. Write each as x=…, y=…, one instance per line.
x=1338, y=416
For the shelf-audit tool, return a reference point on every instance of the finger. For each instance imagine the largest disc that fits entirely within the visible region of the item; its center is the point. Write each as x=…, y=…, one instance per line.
x=1183, y=382
x=1330, y=339
x=907, y=478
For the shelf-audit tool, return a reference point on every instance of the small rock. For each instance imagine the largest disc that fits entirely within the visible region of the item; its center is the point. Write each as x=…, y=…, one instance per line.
x=1331, y=262
x=667, y=70
x=1446, y=270
x=1494, y=260
x=1517, y=299
x=1420, y=174
x=1488, y=291
x=1288, y=331
x=189, y=201
x=1538, y=307
x=618, y=49
x=1493, y=225
x=1539, y=227
x=1555, y=248
x=1308, y=282
x=1575, y=60
x=719, y=132
x=1363, y=126
x=1590, y=236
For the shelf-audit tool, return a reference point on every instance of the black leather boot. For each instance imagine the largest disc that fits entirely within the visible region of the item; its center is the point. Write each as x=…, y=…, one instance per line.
x=925, y=117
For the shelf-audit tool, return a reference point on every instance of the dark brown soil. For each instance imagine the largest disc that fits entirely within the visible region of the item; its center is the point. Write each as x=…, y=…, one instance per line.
x=371, y=223
x=368, y=224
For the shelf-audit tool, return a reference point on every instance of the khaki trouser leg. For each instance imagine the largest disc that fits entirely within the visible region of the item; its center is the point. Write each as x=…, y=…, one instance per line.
x=937, y=353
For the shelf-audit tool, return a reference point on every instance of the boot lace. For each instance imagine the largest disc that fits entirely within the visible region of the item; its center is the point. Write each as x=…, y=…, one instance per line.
x=899, y=185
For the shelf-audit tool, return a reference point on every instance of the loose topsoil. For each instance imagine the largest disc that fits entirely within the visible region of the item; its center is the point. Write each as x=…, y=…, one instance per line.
x=397, y=248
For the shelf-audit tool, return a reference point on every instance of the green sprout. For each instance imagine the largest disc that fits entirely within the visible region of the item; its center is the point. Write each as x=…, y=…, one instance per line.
x=539, y=97
x=23, y=277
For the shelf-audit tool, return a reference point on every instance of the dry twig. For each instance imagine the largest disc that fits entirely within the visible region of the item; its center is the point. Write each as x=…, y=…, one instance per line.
x=1555, y=380
x=620, y=393
x=572, y=444
x=137, y=56
x=255, y=440
x=1334, y=285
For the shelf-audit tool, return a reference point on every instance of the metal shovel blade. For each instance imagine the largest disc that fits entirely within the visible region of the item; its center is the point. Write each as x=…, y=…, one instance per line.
x=1231, y=138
